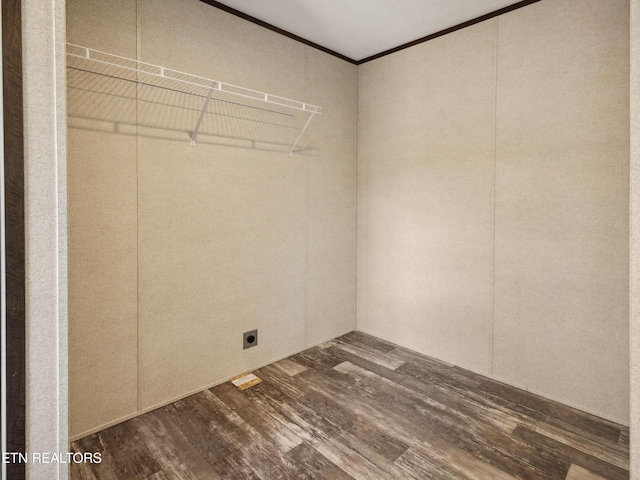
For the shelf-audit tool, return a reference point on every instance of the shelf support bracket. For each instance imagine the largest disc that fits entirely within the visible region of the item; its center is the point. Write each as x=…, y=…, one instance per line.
x=302, y=132
x=194, y=135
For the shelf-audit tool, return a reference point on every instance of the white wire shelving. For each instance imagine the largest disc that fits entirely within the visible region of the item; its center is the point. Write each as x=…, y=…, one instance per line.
x=92, y=61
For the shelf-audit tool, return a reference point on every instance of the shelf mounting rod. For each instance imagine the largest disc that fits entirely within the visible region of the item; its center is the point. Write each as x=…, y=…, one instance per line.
x=302, y=132
x=194, y=135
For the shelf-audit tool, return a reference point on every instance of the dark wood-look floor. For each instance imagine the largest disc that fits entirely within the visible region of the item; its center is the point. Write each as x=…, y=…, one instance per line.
x=358, y=407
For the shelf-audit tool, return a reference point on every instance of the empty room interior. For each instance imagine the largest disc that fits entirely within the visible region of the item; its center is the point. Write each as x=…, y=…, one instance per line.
x=419, y=254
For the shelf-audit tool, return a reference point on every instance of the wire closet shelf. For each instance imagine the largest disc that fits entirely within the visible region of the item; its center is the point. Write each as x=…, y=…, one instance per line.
x=94, y=61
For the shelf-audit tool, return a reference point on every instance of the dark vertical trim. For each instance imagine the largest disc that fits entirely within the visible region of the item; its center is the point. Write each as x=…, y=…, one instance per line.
x=14, y=230
x=460, y=26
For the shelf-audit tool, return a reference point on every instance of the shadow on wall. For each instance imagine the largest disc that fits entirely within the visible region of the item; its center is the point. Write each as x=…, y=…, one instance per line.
x=108, y=104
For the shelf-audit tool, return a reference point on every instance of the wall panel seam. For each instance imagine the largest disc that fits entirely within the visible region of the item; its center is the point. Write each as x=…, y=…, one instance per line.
x=307, y=220
x=137, y=160
x=634, y=239
x=493, y=198
x=355, y=283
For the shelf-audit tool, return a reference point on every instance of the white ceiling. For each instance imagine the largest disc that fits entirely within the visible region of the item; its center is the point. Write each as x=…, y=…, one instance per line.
x=361, y=28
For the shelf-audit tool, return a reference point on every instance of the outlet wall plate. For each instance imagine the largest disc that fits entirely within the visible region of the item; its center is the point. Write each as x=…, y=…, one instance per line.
x=250, y=339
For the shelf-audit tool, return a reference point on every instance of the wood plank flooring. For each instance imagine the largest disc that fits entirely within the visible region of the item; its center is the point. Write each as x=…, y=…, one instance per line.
x=360, y=408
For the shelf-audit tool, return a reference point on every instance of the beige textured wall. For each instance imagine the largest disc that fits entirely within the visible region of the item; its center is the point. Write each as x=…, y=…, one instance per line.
x=102, y=223
x=213, y=240
x=425, y=174
x=562, y=194
x=493, y=200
